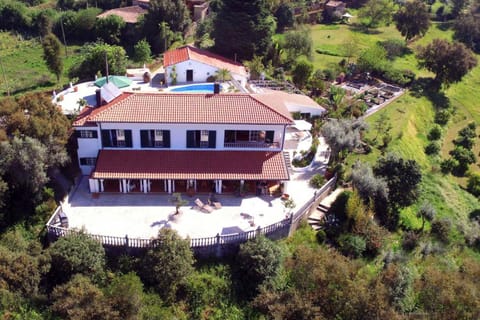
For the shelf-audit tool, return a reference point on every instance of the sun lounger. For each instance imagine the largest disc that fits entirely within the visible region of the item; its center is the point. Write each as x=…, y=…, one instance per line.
x=203, y=207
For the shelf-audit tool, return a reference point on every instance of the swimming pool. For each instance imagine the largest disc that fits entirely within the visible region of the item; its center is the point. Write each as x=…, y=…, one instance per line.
x=195, y=88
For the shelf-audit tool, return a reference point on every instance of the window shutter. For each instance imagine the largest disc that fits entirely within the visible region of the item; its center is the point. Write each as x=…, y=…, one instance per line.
x=166, y=138
x=269, y=136
x=95, y=134
x=78, y=133
x=106, y=139
x=83, y=161
x=144, y=139
x=212, y=139
x=190, y=139
x=128, y=138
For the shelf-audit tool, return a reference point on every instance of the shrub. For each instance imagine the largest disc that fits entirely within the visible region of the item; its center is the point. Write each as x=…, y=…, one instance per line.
x=475, y=215
x=435, y=133
x=448, y=165
x=441, y=229
x=473, y=185
x=394, y=48
x=321, y=236
x=400, y=77
x=432, y=148
x=442, y=117
x=317, y=181
x=352, y=245
x=410, y=240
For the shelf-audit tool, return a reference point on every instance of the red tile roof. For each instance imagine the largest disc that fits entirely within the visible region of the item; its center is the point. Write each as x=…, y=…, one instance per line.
x=87, y=113
x=191, y=53
x=280, y=98
x=128, y=14
x=205, y=165
x=188, y=108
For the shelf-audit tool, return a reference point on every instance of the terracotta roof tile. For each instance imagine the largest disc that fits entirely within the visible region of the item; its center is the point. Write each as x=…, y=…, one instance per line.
x=205, y=165
x=189, y=108
x=128, y=14
x=278, y=99
x=191, y=53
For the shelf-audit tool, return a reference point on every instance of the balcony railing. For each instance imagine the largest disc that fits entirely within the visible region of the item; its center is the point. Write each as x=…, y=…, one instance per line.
x=252, y=144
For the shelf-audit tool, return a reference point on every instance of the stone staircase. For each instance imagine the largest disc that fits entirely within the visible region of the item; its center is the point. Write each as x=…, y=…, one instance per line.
x=288, y=162
x=316, y=218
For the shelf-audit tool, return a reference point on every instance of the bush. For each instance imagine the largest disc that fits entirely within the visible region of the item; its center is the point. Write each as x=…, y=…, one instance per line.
x=317, y=181
x=475, y=215
x=448, y=165
x=394, y=48
x=257, y=262
x=473, y=185
x=352, y=245
x=321, y=236
x=400, y=77
x=433, y=148
x=435, y=133
x=441, y=229
x=410, y=240
x=442, y=117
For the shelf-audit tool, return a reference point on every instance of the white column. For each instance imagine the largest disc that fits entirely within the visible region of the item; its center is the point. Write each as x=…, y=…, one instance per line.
x=120, y=184
x=219, y=186
x=125, y=187
x=141, y=185
x=195, y=185
x=102, y=189
x=165, y=185
x=173, y=185
x=93, y=185
x=169, y=186
x=148, y=184
x=285, y=187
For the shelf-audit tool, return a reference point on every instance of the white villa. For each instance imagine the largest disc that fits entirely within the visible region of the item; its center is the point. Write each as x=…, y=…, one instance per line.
x=163, y=142
x=196, y=65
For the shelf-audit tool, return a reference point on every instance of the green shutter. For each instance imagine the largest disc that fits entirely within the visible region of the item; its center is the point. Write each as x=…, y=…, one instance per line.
x=212, y=139
x=128, y=138
x=144, y=139
x=95, y=134
x=269, y=136
x=106, y=139
x=190, y=139
x=166, y=138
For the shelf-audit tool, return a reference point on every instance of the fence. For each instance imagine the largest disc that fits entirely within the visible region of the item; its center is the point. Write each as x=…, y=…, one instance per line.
x=219, y=245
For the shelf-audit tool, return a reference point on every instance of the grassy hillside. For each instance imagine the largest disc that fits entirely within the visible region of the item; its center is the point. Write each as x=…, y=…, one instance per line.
x=24, y=67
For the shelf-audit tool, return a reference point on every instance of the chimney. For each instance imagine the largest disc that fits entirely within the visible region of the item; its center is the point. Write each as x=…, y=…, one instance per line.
x=98, y=96
x=216, y=88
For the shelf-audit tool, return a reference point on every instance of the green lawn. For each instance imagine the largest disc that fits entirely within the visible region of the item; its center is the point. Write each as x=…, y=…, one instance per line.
x=24, y=67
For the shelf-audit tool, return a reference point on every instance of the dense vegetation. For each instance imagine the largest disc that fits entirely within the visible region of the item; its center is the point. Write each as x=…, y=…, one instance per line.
x=402, y=241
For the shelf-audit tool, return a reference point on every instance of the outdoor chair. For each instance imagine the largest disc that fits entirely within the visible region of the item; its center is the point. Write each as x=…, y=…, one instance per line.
x=203, y=207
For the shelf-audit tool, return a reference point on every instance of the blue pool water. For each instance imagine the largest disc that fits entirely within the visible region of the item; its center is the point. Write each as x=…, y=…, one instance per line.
x=197, y=88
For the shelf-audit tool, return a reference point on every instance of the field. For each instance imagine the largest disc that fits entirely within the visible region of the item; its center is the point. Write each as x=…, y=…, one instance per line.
x=412, y=117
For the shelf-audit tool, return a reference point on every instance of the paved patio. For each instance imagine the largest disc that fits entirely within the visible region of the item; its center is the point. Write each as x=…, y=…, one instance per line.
x=140, y=215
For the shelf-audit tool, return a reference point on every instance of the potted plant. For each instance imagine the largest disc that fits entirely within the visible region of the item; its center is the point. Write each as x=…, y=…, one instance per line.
x=178, y=201
x=288, y=205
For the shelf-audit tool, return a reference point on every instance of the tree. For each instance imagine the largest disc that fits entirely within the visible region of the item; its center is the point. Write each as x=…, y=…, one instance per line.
x=376, y=13
x=255, y=67
x=367, y=185
x=142, y=51
x=109, y=29
x=223, y=74
x=402, y=176
x=467, y=30
x=412, y=19
x=79, y=299
x=298, y=42
x=426, y=212
x=449, y=61
x=125, y=293
x=248, y=22
x=257, y=262
x=168, y=264
x=92, y=60
x=301, y=73
x=473, y=184
x=284, y=16
x=342, y=135
x=373, y=59
x=51, y=54
x=161, y=13
x=76, y=253
x=178, y=201
x=464, y=158
x=19, y=272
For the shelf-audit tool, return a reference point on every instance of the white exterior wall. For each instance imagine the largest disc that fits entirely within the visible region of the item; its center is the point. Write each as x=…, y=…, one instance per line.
x=88, y=148
x=201, y=72
x=305, y=109
x=178, y=133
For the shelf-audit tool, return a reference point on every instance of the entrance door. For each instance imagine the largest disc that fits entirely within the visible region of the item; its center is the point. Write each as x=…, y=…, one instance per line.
x=189, y=75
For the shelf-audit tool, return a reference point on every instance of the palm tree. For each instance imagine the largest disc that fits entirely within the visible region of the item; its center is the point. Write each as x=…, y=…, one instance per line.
x=223, y=74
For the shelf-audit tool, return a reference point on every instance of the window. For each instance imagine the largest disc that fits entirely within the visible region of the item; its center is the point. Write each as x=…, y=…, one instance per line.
x=244, y=136
x=87, y=134
x=155, y=138
x=201, y=139
x=88, y=161
x=117, y=138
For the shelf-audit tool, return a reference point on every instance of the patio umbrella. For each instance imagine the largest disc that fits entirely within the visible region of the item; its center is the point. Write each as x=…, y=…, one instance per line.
x=118, y=81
